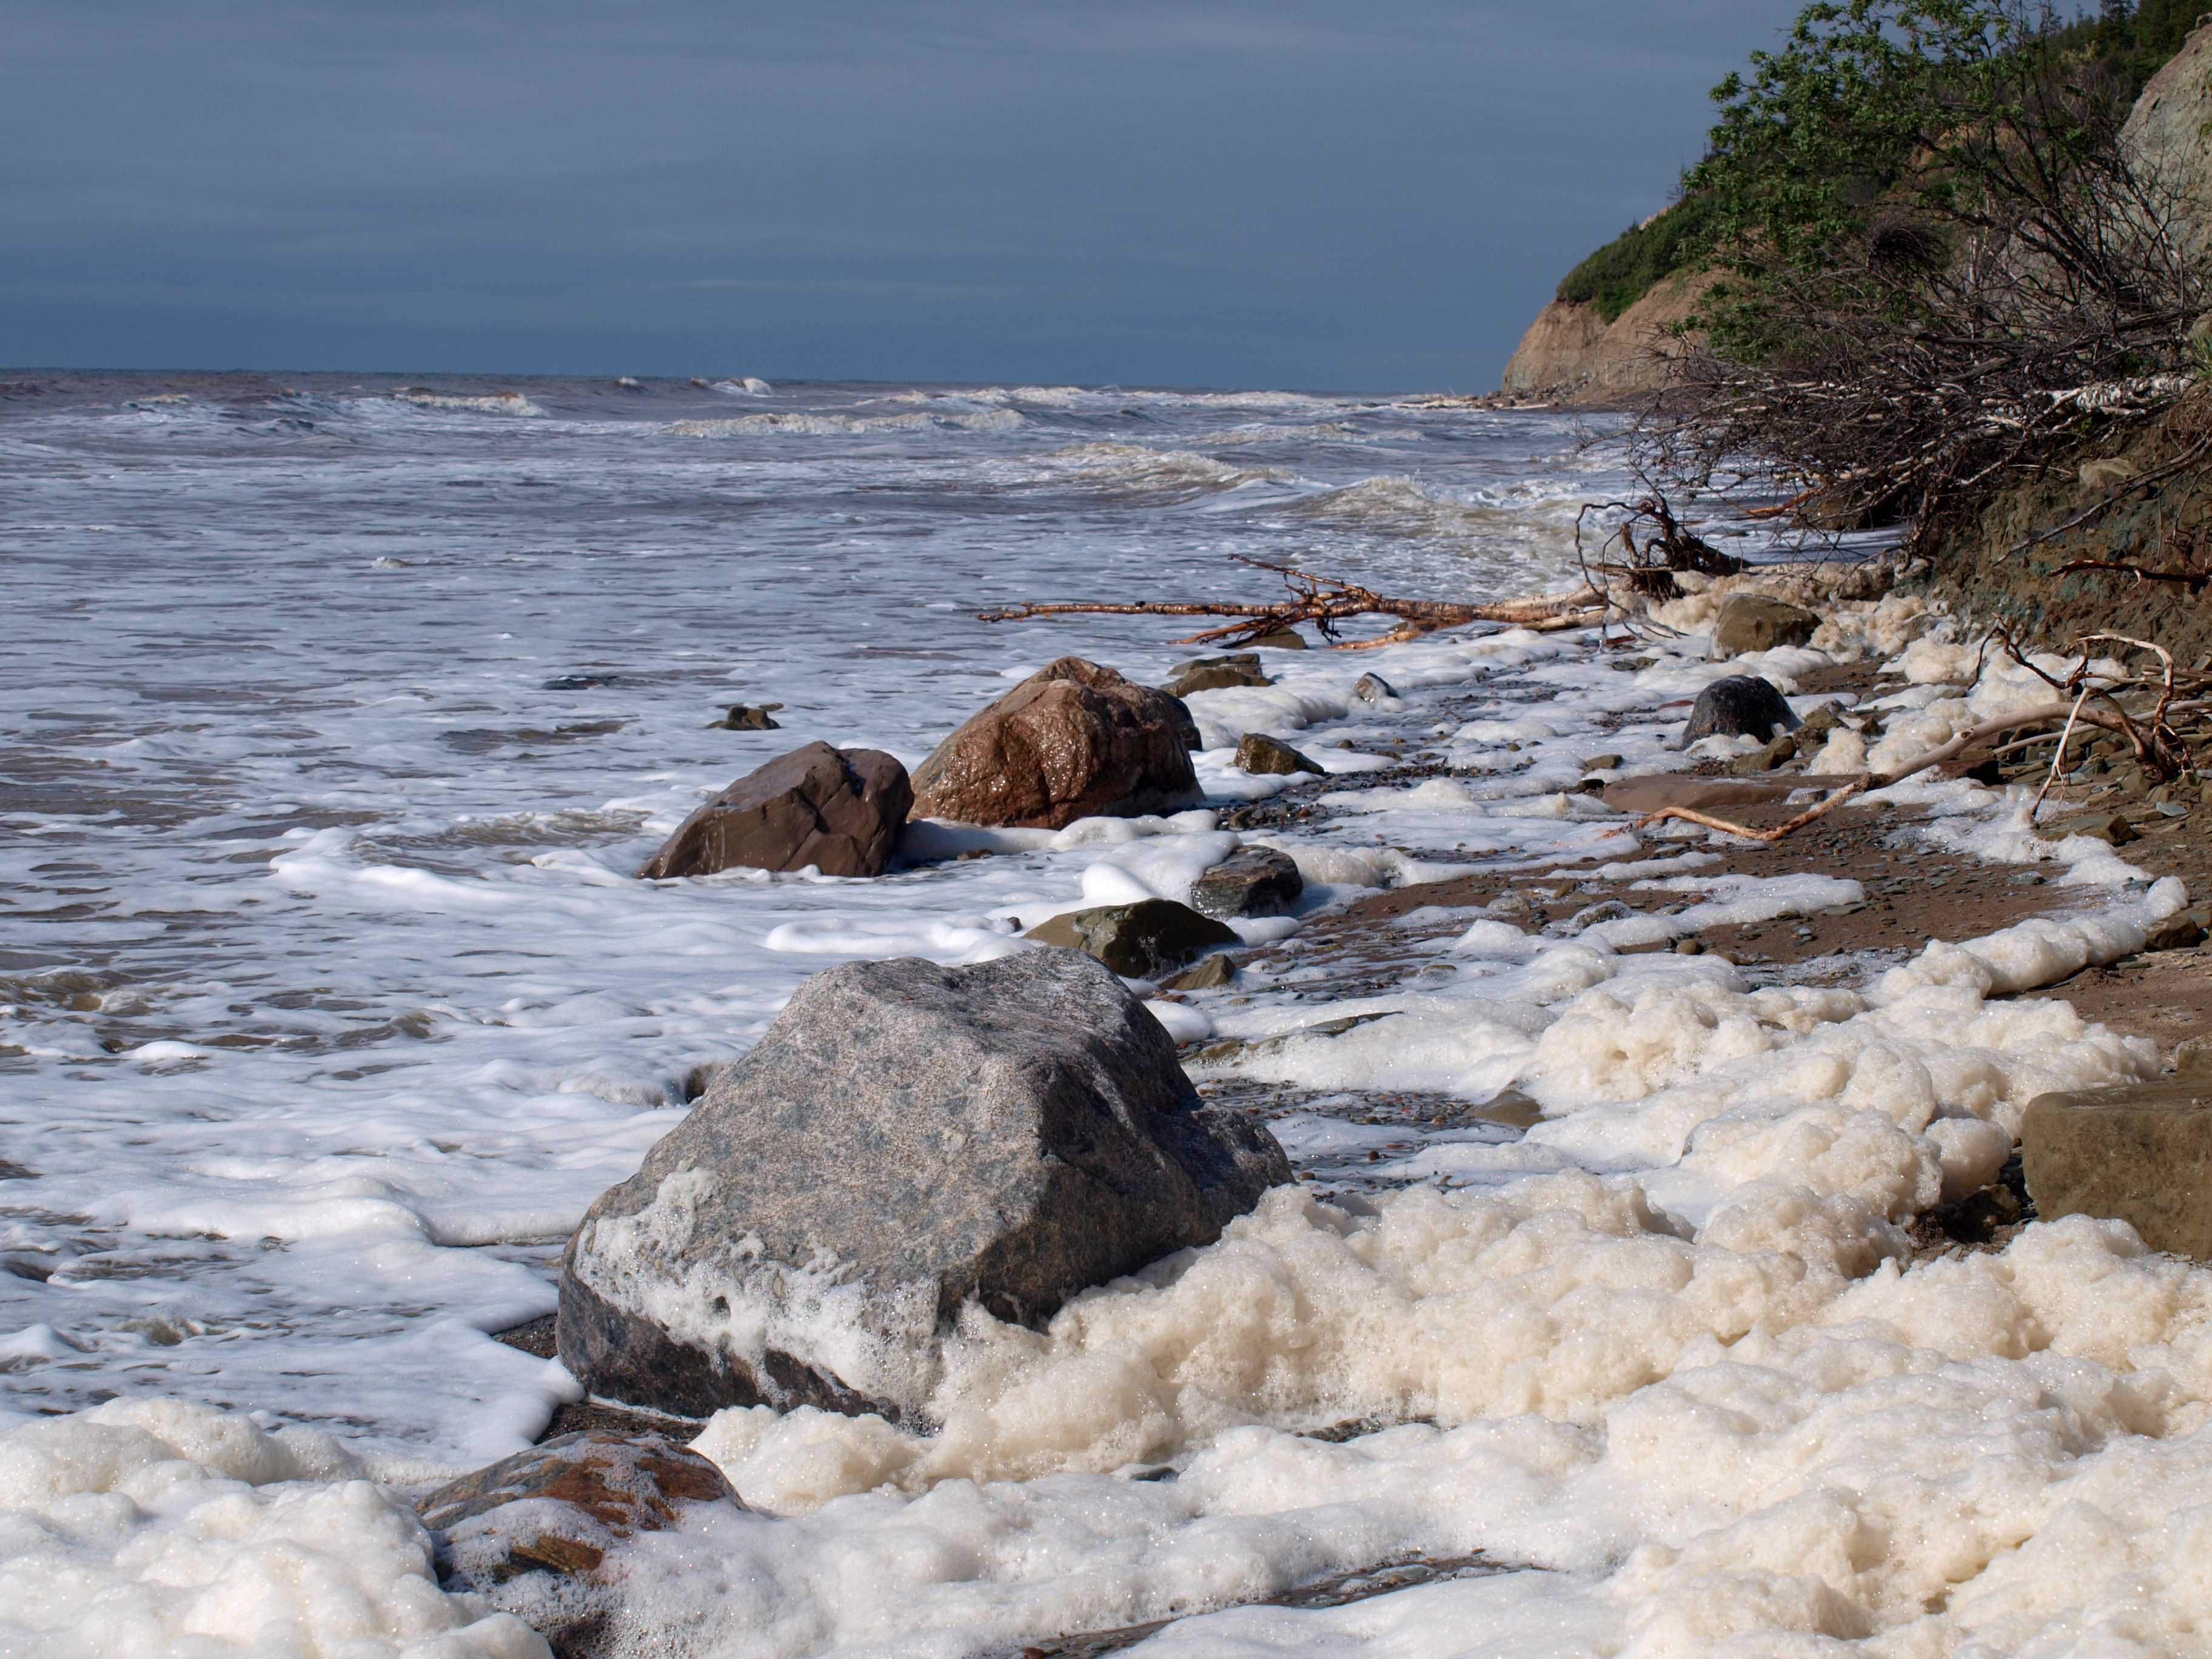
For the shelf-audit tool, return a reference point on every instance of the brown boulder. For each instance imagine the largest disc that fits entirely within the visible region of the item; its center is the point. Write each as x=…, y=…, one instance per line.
x=1754, y=622
x=1075, y=740
x=1263, y=756
x=531, y=1534
x=840, y=810
x=2142, y=1153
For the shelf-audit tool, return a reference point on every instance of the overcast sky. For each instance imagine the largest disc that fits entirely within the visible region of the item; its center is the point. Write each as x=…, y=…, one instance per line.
x=1369, y=196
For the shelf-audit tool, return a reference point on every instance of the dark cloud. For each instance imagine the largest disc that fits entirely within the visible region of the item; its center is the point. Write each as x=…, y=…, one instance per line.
x=1152, y=191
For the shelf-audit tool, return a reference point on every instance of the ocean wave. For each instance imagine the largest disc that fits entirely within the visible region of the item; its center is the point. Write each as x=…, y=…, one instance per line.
x=1325, y=432
x=498, y=403
x=1137, y=467
x=817, y=426
x=1394, y=505
x=743, y=387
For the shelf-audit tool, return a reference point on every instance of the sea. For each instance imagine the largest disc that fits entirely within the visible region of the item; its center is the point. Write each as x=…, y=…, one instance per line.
x=337, y=714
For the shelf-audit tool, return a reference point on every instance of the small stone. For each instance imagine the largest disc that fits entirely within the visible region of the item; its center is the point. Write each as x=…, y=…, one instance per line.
x=1764, y=760
x=1211, y=974
x=2178, y=932
x=1262, y=756
x=1257, y=881
x=2133, y=1154
x=1511, y=1108
x=1214, y=676
x=1821, y=721
x=1602, y=763
x=1373, y=688
x=1691, y=946
x=2107, y=827
x=1752, y=622
x=1138, y=941
x=1740, y=706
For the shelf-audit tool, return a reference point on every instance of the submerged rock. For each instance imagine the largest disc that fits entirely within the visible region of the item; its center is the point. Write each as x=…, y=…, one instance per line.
x=839, y=810
x=1373, y=688
x=1285, y=638
x=1752, y=622
x=1139, y=941
x=748, y=717
x=1074, y=740
x=1218, y=674
x=2138, y=1154
x=1743, y=705
x=1263, y=756
x=905, y=1140
x=1257, y=881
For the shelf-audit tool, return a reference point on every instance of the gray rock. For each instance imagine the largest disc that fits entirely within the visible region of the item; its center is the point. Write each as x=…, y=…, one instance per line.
x=2140, y=1154
x=1283, y=639
x=1258, y=753
x=2108, y=826
x=1752, y=622
x=1139, y=941
x=1228, y=660
x=840, y=810
x=1742, y=705
x=1257, y=881
x=905, y=1140
x=1373, y=688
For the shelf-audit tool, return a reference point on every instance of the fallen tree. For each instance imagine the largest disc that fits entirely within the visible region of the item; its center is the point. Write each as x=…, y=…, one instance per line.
x=1324, y=601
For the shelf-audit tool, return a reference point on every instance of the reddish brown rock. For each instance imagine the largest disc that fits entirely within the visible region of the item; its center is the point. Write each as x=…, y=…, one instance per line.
x=1073, y=741
x=840, y=810
x=532, y=1533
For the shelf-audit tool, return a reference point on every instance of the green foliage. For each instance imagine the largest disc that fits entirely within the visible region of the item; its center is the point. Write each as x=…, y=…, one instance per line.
x=1627, y=268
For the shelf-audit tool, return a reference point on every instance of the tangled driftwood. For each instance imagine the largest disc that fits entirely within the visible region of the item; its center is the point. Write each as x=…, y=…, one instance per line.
x=1325, y=601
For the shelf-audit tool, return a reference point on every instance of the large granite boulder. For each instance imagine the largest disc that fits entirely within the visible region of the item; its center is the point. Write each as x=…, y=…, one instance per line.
x=906, y=1138
x=1742, y=705
x=2168, y=138
x=1754, y=622
x=1142, y=940
x=839, y=810
x=2140, y=1154
x=1075, y=740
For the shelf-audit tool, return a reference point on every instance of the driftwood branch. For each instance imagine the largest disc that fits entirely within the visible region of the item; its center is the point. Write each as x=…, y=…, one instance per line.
x=1325, y=601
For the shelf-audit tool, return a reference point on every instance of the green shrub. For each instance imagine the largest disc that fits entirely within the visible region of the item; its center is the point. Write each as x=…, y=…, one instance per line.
x=1627, y=268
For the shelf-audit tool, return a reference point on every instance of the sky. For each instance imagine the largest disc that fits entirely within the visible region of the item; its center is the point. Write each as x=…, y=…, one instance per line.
x=1361, y=197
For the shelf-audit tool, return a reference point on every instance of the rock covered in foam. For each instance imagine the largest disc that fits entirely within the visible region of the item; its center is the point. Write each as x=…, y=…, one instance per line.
x=1743, y=705
x=839, y=810
x=906, y=1138
x=533, y=1534
x=1074, y=740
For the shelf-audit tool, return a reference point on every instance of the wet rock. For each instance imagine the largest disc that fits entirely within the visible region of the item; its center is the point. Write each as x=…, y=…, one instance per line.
x=2142, y=1154
x=1261, y=755
x=533, y=1533
x=1218, y=674
x=1602, y=763
x=747, y=717
x=1283, y=639
x=1257, y=881
x=1216, y=971
x=1752, y=622
x=906, y=1138
x=1074, y=740
x=1138, y=941
x=1373, y=688
x=2108, y=826
x=1775, y=754
x=1742, y=705
x=840, y=810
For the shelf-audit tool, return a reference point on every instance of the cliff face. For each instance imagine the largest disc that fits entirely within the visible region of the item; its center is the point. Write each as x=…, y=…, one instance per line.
x=1571, y=352
x=2168, y=136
